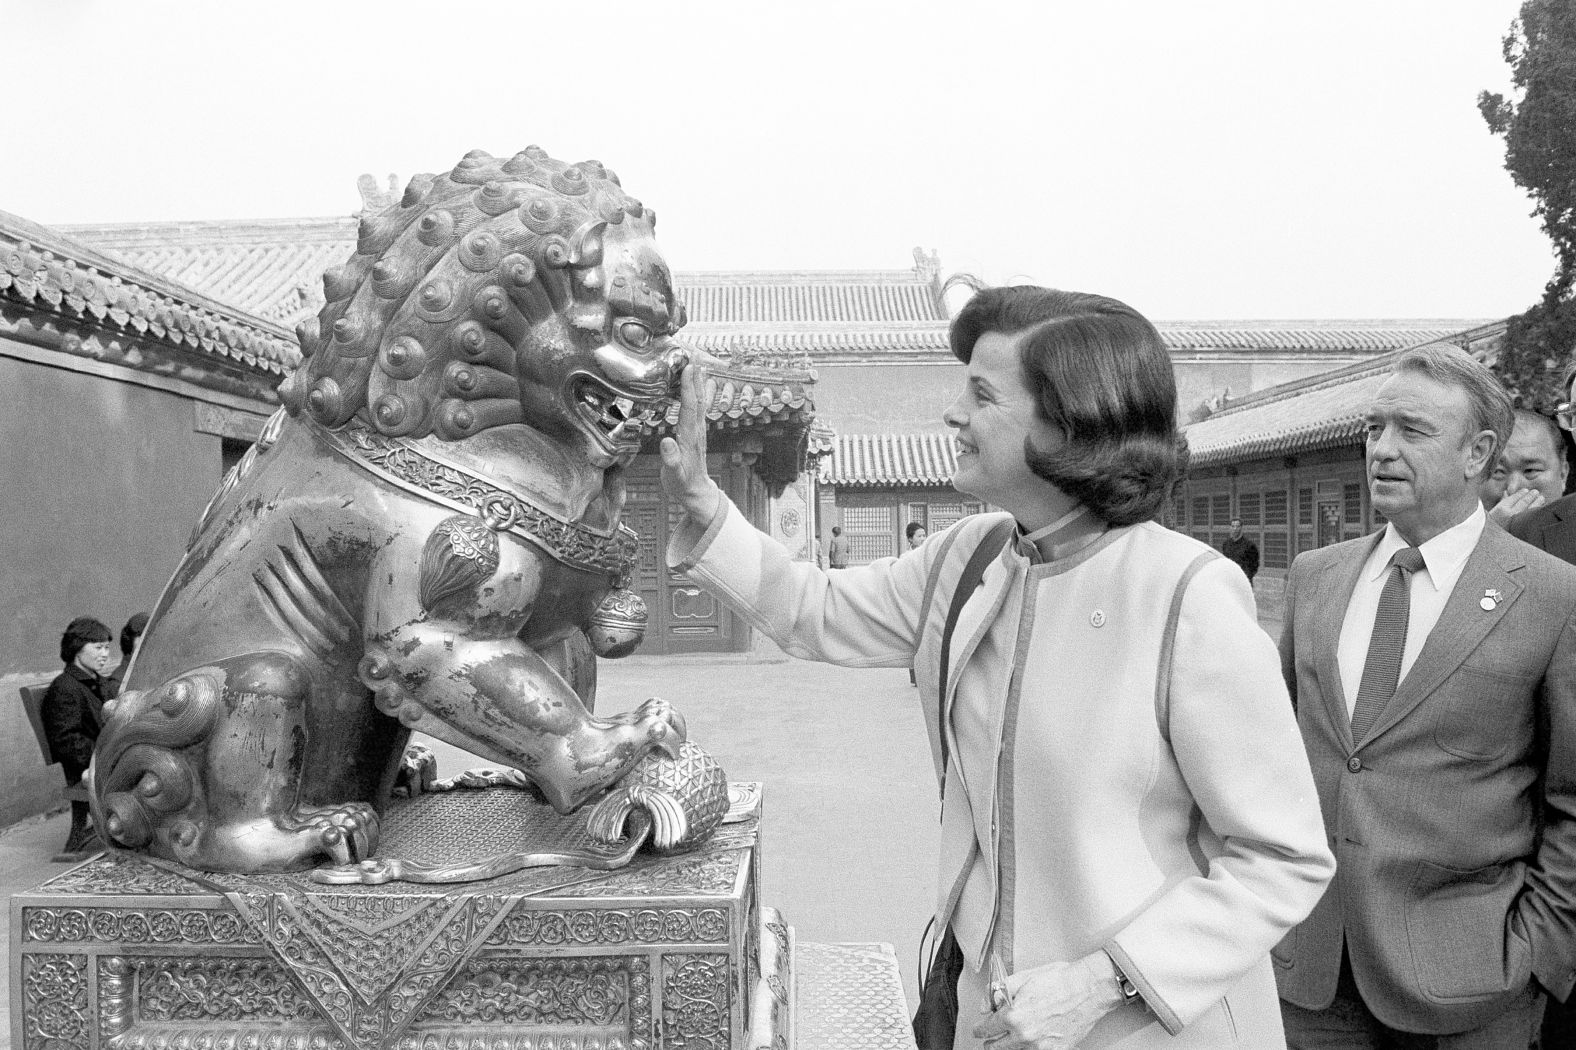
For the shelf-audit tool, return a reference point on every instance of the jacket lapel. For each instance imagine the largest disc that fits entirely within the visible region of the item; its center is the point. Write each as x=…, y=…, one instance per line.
x=1333, y=595
x=1559, y=535
x=1462, y=625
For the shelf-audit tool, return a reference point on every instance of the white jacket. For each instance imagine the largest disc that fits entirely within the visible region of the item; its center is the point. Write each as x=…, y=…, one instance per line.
x=1151, y=796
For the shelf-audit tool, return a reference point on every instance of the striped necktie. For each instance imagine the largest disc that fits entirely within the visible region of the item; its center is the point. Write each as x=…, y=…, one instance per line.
x=1382, y=669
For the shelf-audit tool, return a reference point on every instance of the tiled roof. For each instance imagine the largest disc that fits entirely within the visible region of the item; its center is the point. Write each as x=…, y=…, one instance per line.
x=1320, y=412
x=791, y=297
x=890, y=459
x=1345, y=337
x=273, y=268
x=742, y=395
x=42, y=270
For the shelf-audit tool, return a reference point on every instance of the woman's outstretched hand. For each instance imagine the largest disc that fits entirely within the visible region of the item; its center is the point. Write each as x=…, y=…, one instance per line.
x=684, y=476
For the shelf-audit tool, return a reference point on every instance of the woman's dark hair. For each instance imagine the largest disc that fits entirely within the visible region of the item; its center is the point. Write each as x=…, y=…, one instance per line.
x=911, y=528
x=1100, y=374
x=81, y=632
x=131, y=632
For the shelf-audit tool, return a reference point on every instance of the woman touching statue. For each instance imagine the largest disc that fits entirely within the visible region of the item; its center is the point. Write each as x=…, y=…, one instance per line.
x=1128, y=819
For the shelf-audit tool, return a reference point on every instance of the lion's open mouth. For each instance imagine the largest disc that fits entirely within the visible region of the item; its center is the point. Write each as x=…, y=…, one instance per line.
x=619, y=420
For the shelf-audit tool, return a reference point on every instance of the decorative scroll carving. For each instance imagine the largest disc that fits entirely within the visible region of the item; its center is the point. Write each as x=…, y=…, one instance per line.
x=582, y=992
x=135, y=926
x=609, y=927
x=54, y=1001
x=711, y=874
x=120, y=873
x=695, y=1008
x=213, y=989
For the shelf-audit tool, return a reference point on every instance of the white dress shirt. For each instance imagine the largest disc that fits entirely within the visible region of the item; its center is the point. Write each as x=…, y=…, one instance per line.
x=1444, y=557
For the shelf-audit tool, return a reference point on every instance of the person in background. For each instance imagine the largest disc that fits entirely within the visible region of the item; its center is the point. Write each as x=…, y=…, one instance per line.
x=837, y=549
x=1128, y=820
x=1433, y=669
x=130, y=640
x=915, y=533
x=1531, y=471
x=1552, y=528
x=1241, y=550
x=72, y=712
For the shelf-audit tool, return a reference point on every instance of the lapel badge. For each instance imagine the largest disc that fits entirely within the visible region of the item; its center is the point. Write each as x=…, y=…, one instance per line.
x=1491, y=600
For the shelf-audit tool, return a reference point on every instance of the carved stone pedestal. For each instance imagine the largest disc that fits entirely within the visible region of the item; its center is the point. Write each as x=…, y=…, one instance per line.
x=665, y=954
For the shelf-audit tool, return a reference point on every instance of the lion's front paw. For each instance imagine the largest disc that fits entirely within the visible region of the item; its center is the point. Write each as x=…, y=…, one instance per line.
x=664, y=726
x=348, y=833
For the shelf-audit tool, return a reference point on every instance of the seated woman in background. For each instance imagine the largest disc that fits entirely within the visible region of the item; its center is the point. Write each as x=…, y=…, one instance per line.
x=130, y=640
x=72, y=711
x=1128, y=819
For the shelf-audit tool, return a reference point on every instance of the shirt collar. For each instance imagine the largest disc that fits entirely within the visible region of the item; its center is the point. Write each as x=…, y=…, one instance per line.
x=80, y=675
x=1443, y=555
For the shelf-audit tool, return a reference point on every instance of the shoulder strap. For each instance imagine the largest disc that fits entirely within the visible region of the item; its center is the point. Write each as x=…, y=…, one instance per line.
x=968, y=583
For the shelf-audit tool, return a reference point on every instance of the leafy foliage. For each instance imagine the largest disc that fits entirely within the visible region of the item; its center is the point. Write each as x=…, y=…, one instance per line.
x=1539, y=129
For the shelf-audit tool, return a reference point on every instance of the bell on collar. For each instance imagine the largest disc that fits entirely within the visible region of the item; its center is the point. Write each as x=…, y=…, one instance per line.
x=618, y=625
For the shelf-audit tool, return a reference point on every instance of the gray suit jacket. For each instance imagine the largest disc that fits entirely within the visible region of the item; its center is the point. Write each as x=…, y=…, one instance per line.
x=1551, y=528
x=1453, y=821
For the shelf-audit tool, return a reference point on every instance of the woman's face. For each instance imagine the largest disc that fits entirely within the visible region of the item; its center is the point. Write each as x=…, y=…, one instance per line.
x=993, y=416
x=916, y=537
x=94, y=657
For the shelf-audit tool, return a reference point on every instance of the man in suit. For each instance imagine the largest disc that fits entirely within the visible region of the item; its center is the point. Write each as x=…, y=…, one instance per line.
x=1552, y=527
x=1433, y=667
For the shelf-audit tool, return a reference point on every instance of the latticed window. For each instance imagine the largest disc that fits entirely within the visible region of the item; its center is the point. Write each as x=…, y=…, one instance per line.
x=1305, y=509
x=870, y=533
x=1201, y=512
x=1220, y=508
x=1248, y=508
x=944, y=514
x=1274, y=550
x=1275, y=512
x=1352, y=501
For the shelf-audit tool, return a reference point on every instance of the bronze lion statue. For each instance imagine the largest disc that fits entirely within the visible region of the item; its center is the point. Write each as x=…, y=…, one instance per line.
x=420, y=539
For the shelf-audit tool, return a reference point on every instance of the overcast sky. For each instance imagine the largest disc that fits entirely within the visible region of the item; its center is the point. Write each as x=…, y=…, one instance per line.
x=1205, y=159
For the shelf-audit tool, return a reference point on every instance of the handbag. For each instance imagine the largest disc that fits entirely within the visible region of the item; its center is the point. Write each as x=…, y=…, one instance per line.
x=936, y=1019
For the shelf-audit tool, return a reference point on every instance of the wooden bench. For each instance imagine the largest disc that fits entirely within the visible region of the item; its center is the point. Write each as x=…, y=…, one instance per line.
x=33, y=703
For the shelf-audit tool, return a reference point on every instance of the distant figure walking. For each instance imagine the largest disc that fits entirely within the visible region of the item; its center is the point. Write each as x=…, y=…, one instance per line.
x=1241, y=550
x=837, y=550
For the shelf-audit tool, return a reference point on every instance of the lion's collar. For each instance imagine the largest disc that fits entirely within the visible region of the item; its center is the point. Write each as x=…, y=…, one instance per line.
x=502, y=507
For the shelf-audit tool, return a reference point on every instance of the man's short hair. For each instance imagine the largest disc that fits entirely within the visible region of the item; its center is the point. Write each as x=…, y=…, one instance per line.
x=131, y=632
x=1453, y=366
x=837, y=530
x=1548, y=426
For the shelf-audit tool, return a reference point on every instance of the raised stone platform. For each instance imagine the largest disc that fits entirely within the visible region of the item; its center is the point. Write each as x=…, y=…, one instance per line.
x=126, y=953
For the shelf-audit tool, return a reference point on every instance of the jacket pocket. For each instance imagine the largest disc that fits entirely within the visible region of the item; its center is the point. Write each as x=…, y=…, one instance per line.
x=1482, y=713
x=1284, y=954
x=1464, y=945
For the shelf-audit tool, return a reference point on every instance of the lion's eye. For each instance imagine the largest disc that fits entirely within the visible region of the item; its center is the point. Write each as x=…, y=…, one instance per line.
x=634, y=335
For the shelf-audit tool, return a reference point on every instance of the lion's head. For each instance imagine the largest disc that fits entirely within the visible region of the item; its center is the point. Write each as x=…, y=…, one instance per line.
x=524, y=290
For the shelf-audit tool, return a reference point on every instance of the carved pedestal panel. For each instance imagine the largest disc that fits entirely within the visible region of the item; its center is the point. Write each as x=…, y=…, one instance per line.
x=665, y=954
